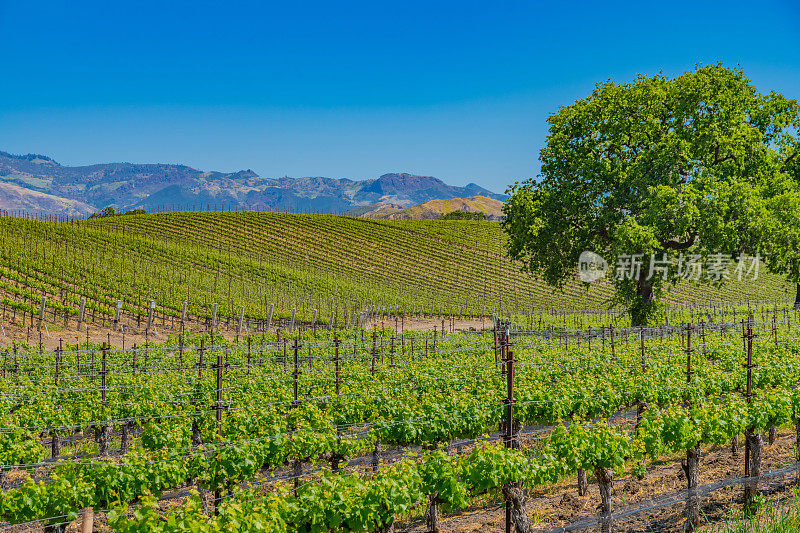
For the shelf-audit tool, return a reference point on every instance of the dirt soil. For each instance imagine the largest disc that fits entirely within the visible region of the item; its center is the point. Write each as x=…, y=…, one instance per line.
x=51, y=334
x=560, y=505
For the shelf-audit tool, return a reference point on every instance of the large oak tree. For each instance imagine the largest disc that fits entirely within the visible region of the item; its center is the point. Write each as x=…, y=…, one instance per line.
x=685, y=166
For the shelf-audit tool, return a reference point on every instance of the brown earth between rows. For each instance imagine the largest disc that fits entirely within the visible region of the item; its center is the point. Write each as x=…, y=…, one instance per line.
x=52, y=334
x=560, y=505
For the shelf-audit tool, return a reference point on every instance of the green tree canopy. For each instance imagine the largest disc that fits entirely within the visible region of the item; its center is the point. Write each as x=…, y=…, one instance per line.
x=682, y=166
x=782, y=243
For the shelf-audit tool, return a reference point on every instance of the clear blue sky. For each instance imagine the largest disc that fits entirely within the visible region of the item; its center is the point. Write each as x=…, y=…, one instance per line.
x=457, y=90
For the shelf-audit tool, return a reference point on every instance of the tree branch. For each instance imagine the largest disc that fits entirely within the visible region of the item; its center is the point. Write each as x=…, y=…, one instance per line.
x=677, y=245
x=718, y=159
x=602, y=233
x=788, y=160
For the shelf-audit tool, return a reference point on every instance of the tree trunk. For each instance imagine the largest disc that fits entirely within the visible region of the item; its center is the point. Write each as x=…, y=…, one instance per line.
x=298, y=473
x=773, y=434
x=751, y=485
x=196, y=436
x=515, y=500
x=101, y=436
x=432, y=519
x=691, y=467
x=55, y=445
x=124, y=443
x=640, y=408
x=735, y=445
x=335, y=460
x=583, y=483
x=605, y=478
x=642, y=306
x=376, y=454
x=797, y=298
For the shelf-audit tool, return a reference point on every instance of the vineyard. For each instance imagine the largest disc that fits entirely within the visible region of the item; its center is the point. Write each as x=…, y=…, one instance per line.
x=328, y=267
x=325, y=373
x=375, y=430
x=256, y=270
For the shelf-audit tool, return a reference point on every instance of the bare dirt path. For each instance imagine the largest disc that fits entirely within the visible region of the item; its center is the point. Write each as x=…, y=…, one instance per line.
x=51, y=335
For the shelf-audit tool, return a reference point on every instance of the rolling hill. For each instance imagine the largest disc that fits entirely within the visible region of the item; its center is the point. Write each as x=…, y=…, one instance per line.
x=253, y=260
x=433, y=209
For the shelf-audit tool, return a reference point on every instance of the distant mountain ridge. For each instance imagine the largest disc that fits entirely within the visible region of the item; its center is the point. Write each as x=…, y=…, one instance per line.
x=173, y=186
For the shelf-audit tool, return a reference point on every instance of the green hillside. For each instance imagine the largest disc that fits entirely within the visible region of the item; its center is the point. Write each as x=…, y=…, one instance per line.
x=257, y=260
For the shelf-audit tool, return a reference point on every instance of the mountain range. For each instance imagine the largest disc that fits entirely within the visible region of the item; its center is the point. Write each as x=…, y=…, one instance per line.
x=37, y=183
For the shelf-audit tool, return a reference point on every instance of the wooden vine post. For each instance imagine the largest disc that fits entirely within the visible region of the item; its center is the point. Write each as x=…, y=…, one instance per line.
x=81, y=313
x=78, y=356
x=87, y=525
x=55, y=444
x=41, y=313
x=516, y=512
x=298, y=464
x=336, y=343
x=753, y=441
x=691, y=465
x=147, y=348
x=613, y=352
x=373, y=353
x=249, y=353
x=336, y=457
x=285, y=356
x=494, y=333
x=504, y=351
x=640, y=405
x=218, y=412
x=196, y=435
x=104, y=429
x=775, y=328
x=605, y=476
x=703, y=335
x=180, y=350
x=58, y=360
x=240, y=324
x=603, y=333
